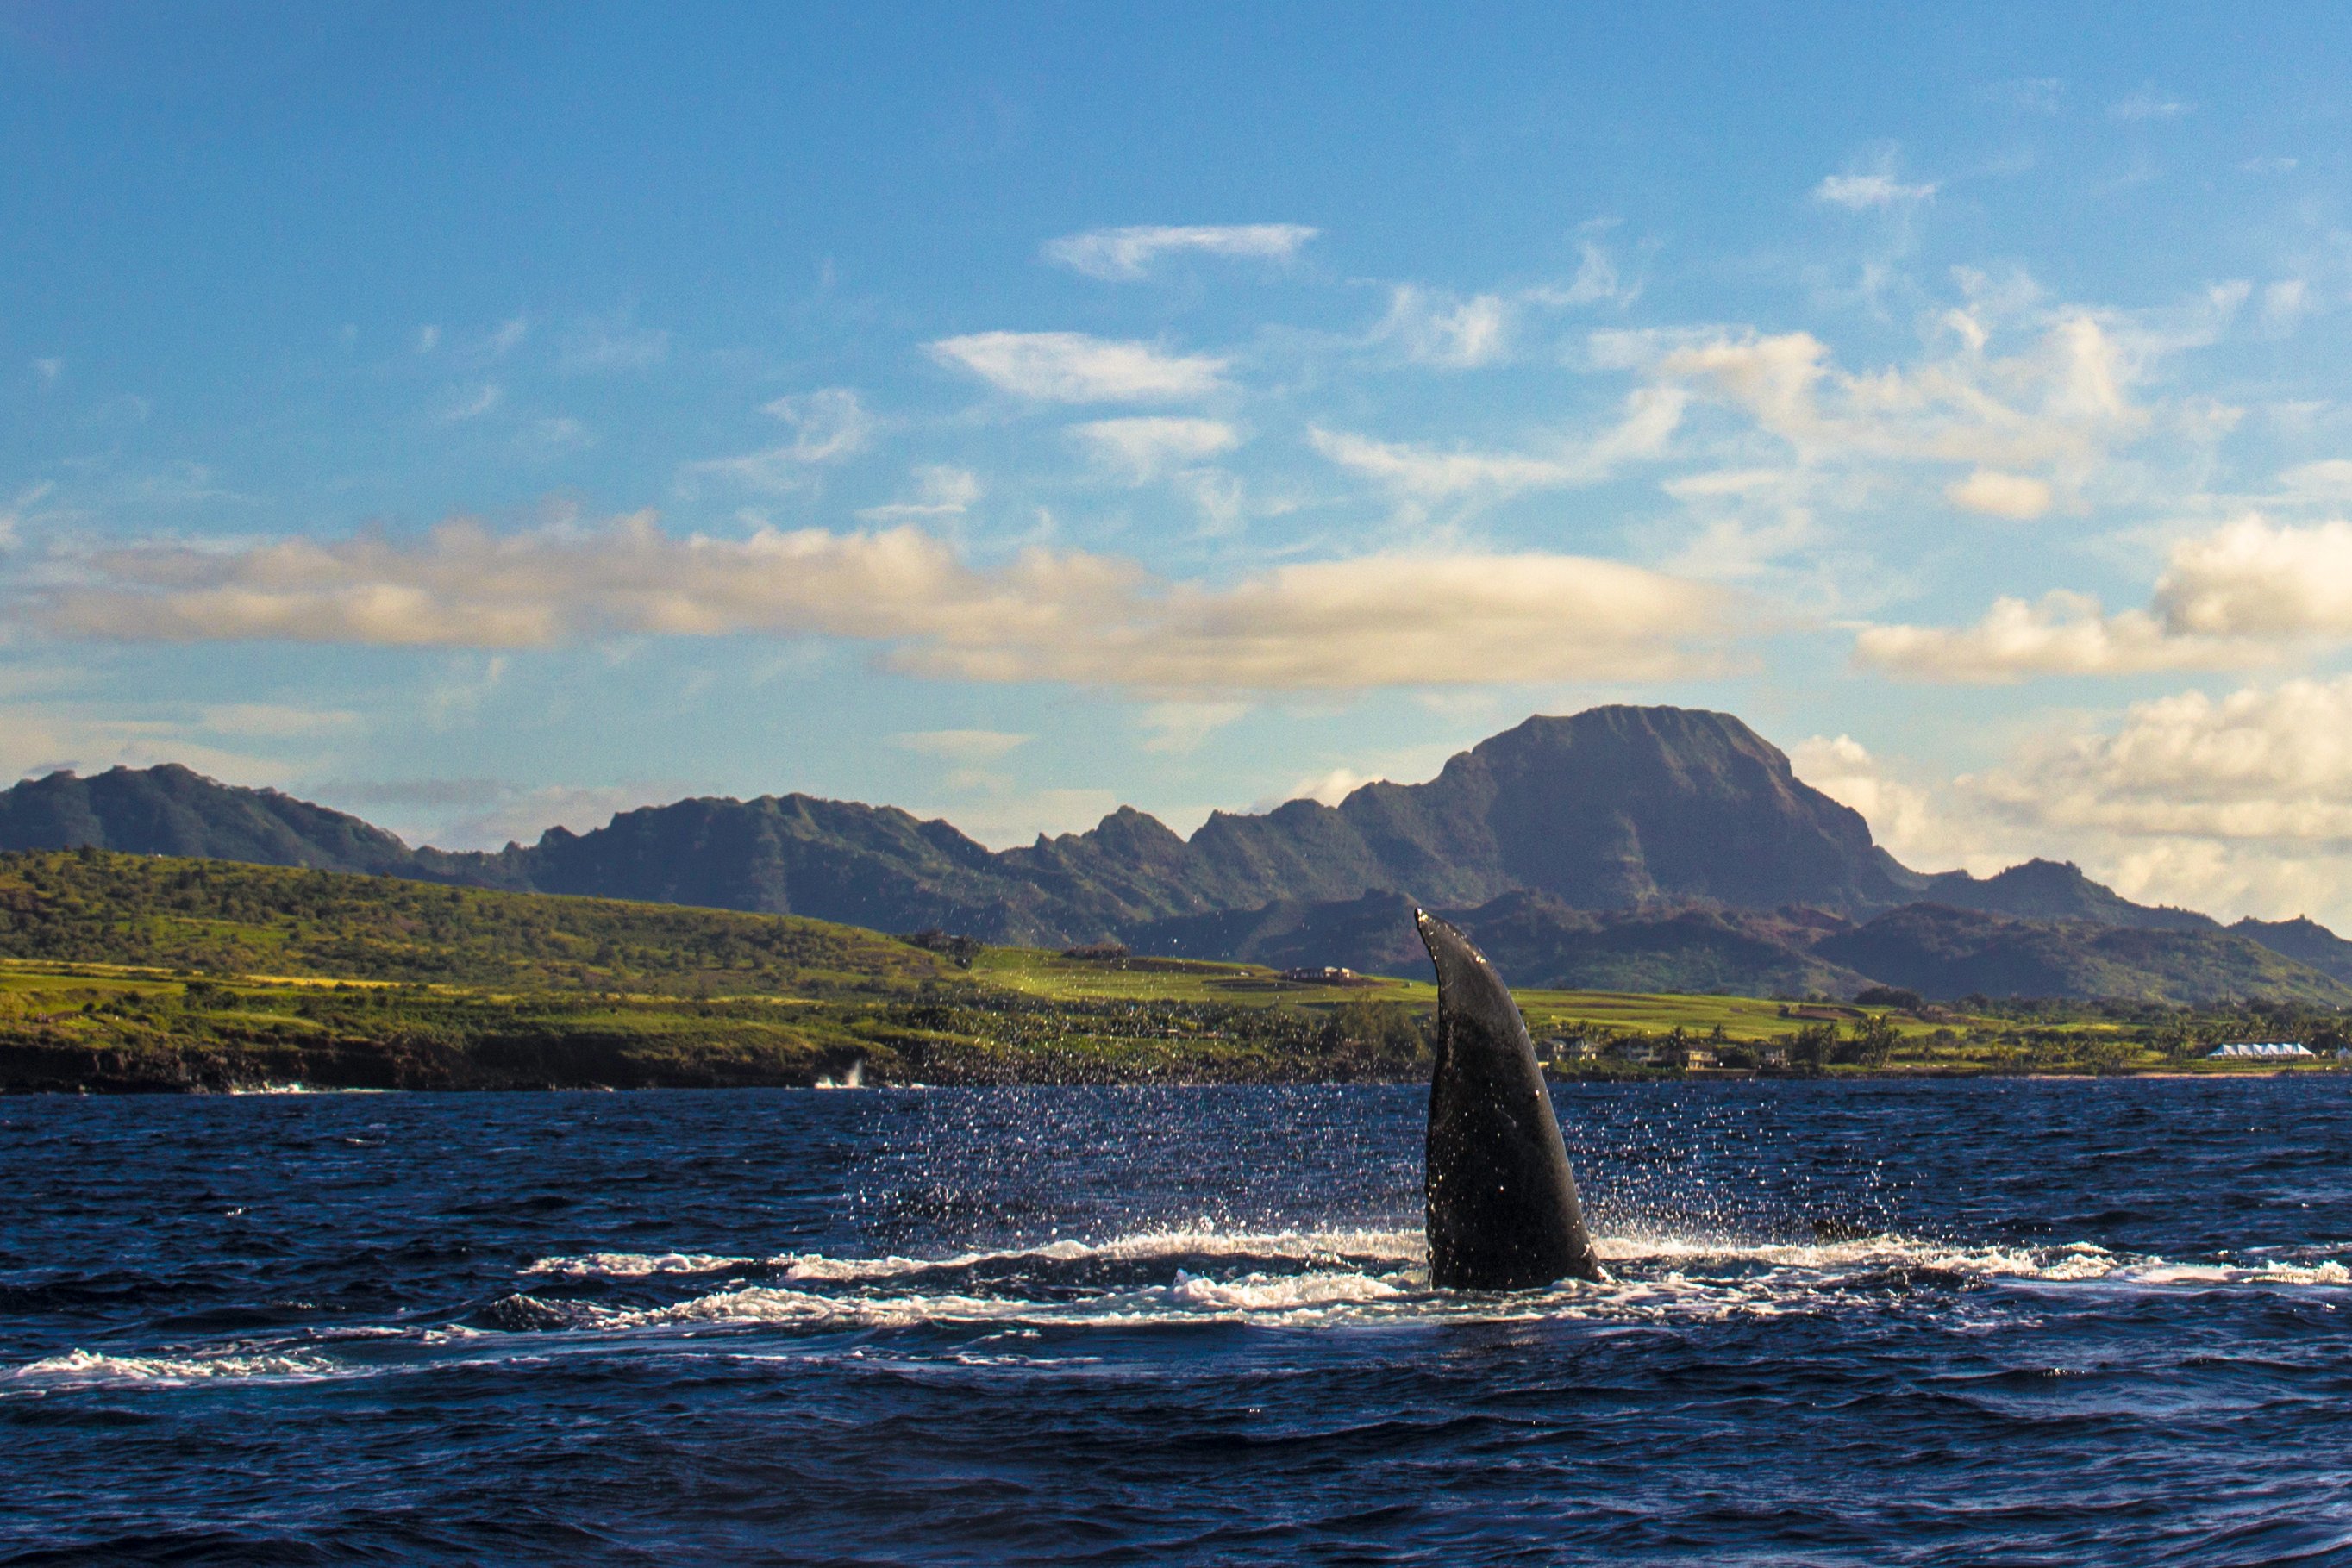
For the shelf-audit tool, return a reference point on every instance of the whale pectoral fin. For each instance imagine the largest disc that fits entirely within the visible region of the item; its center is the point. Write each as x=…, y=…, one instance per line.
x=1501, y=1205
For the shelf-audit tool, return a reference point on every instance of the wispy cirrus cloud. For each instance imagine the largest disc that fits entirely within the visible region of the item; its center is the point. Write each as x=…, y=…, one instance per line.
x=1124, y=253
x=1071, y=367
x=1447, y=330
x=1380, y=620
x=827, y=425
x=1432, y=474
x=1143, y=449
x=940, y=491
x=1861, y=193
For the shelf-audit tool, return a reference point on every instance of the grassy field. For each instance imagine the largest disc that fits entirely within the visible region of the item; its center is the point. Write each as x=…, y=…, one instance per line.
x=119, y=972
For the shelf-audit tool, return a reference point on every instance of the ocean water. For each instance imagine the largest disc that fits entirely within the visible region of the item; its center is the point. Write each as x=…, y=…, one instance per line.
x=1892, y=1323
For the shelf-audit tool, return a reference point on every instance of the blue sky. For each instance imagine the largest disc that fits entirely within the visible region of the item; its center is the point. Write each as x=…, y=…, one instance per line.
x=484, y=417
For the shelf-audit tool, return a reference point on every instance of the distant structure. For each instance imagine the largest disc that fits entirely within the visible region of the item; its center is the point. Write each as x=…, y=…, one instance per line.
x=2264, y=1049
x=1329, y=975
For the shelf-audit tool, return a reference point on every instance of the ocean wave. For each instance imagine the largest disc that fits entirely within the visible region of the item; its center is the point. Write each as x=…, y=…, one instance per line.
x=637, y=1265
x=81, y=1368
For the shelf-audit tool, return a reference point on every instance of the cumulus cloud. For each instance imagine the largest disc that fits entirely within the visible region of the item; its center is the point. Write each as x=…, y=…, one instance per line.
x=2237, y=596
x=2252, y=578
x=1143, y=449
x=2263, y=763
x=1445, y=330
x=827, y=425
x=1860, y=193
x=1123, y=254
x=1070, y=367
x=1380, y=620
x=1907, y=818
x=2062, y=634
x=1429, y=473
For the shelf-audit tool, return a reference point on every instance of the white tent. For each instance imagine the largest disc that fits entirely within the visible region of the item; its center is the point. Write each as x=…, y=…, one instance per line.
x=2266, y=1048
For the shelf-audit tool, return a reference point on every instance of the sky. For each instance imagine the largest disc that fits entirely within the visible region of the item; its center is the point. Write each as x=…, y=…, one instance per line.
x=480, y=417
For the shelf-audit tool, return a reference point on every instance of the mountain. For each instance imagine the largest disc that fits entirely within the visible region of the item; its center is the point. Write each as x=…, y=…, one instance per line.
x=1611, y=808
x=1944, y=952
x=1535, y=939
x=2056, y=890
x=1940, y=952
x=173, y=810
x=2303, y=939
x=1650, y=847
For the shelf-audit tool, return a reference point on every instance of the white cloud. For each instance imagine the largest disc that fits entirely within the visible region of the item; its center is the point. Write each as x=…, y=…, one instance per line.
x=1380, y=620
x=940, y=492
x=1988, y=490
x=2237, y=596
x=1128, y=253
x=1860, y=193
x=1428, y=473
x=1177, y=728
x=557, y=434
x=2284, y=301
x=1445, y=330
x=1330, y=787
x=472, y=403
x=48, y=368
x=12, y=516
x=2328, y=480
x=2062, y=634
x=967, y=745
x=508, y=337
x=1070, y=367
x=1905, y=818
x=827, y=426
x=2252, y=578
x=427, y=339
x=614, y=342
x=2238, y=804
x=2060, y=404
x=1596, y=278
x=1144, y=449
x=2147, y=104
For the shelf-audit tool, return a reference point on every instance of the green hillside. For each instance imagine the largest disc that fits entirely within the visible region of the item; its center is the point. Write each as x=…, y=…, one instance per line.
x=221, y=916
x=124, y=972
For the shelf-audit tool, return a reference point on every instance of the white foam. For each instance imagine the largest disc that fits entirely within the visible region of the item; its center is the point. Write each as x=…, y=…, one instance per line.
x=1315, y=1248
x=637, y=1265
x=80, y=1368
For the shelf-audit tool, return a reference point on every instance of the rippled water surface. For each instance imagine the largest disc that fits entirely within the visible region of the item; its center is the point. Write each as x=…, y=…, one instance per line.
x=1890, y=1323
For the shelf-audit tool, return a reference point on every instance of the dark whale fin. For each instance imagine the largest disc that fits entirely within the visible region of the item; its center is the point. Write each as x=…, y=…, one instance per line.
x=1503, y=1213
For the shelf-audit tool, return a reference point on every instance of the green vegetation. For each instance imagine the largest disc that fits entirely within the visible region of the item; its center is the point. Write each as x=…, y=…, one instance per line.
x=127, y=972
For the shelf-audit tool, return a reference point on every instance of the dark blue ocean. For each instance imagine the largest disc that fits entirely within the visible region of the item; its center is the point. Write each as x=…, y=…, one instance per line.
x=1977, y=1323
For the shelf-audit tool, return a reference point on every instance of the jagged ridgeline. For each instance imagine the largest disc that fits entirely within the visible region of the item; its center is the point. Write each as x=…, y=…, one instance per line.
x=1635, y=848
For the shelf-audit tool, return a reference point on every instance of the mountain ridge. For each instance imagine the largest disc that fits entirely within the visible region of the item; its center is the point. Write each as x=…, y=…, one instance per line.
x=1563, y=830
